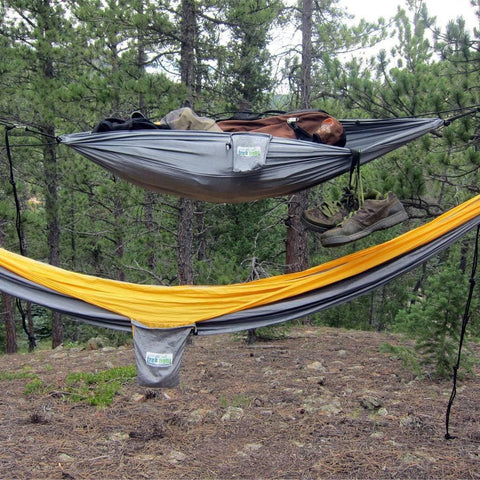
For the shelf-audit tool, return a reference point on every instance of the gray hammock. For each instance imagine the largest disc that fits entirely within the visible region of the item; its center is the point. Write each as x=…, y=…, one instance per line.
x=239, y=167
x=153, y=346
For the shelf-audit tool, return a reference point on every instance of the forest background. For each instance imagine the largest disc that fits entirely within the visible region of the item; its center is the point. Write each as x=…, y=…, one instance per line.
x=65, y=65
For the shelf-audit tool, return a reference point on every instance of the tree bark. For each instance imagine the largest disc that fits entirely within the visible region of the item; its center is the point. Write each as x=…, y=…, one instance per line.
x=9, y=319
x=53, y=223
x=187, y=51
x=185, y=242
x=186, y=207
x=148, y=203
x=306, y=68
x=297, y=239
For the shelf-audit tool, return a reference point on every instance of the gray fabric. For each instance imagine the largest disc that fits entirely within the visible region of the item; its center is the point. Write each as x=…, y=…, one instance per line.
x=78, y=309
x=158, y=355
x=200, y=165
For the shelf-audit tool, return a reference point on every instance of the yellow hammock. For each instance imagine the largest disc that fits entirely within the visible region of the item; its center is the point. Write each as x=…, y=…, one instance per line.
x=177, y=306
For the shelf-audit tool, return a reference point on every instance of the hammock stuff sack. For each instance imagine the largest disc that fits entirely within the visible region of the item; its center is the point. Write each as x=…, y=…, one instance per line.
x=162, y=317
x=237, y=167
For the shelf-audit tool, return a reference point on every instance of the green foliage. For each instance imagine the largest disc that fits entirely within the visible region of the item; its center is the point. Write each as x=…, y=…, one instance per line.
x=435, y=316
x=244, y=241
x=35, y=387
x=92, y=388
x=17, y=375
x=235, y=66
x=98, y=388
x=408, y=356
x=238, y=401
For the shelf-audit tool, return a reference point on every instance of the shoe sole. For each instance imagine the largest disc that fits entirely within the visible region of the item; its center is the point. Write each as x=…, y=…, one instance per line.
x=314, y=226
x=383, y=224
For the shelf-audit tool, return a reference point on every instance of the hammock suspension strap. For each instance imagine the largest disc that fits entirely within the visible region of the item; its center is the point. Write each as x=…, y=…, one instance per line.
x=466, y=317
x=21, y=237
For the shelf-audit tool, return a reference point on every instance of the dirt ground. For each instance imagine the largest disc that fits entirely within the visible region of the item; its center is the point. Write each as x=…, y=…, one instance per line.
x=319, y=404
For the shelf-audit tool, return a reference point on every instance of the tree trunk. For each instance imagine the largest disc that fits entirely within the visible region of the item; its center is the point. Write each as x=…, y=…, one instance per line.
x=186, y=207
x=185, y=242
x=141, y=60
x=297, y=239
x=118, y=235
x=9, y=318
x=306, y=68
x=51, y=211
x=187, y=52
x=8, y=301
x=148, y=203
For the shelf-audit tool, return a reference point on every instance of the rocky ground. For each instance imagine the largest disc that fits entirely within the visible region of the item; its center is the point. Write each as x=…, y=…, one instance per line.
x=319, y=404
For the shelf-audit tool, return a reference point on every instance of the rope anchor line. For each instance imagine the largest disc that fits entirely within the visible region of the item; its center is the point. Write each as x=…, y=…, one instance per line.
x=466, y=318
x=21, y=237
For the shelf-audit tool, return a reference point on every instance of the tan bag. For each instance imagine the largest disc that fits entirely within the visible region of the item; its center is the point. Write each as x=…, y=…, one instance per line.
x=186, y=119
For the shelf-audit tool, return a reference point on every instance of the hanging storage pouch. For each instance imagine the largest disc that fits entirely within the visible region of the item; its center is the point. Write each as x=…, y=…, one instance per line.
x=158, y=354
x=249, y=151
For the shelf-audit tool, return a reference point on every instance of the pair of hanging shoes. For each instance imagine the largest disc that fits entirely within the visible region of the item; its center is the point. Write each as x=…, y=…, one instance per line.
x=326, y=216
x=375, y=214
x=330, y=214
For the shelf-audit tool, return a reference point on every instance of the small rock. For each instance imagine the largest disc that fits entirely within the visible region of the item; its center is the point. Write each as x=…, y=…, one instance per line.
x=119, y=436
x=411, y=421
x=64, y=458
x=253, y=447
x=224, y=364
x=317, y=380
x=331, y=408
x=383, y=412
x=176, y=457
x=317, y=366
x=146, y=457
x=233, y=414
x=60, y=354
x=370, y=403
x=139, y=398
x=108, y=349
x=197, y=416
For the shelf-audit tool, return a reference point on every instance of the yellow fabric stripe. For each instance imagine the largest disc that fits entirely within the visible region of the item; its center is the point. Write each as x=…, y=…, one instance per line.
x=167, y=307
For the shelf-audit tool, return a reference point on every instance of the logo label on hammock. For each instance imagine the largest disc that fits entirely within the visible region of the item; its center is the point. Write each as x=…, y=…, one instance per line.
x=159, y=359
x=249, y=151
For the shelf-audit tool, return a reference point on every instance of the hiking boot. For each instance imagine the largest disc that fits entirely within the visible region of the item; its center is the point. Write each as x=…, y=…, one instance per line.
x=320, y=219
x=374, y=215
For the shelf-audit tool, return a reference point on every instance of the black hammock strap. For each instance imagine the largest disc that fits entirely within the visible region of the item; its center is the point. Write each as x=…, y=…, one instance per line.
x=472, y=111
x=466, y=317
x=18, y=224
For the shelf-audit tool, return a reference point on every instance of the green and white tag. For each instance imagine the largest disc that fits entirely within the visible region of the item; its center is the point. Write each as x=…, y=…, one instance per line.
x=249, y=151
x=159, y=359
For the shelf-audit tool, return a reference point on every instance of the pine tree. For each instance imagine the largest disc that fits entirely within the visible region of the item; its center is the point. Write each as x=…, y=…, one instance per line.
x=435, y=317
